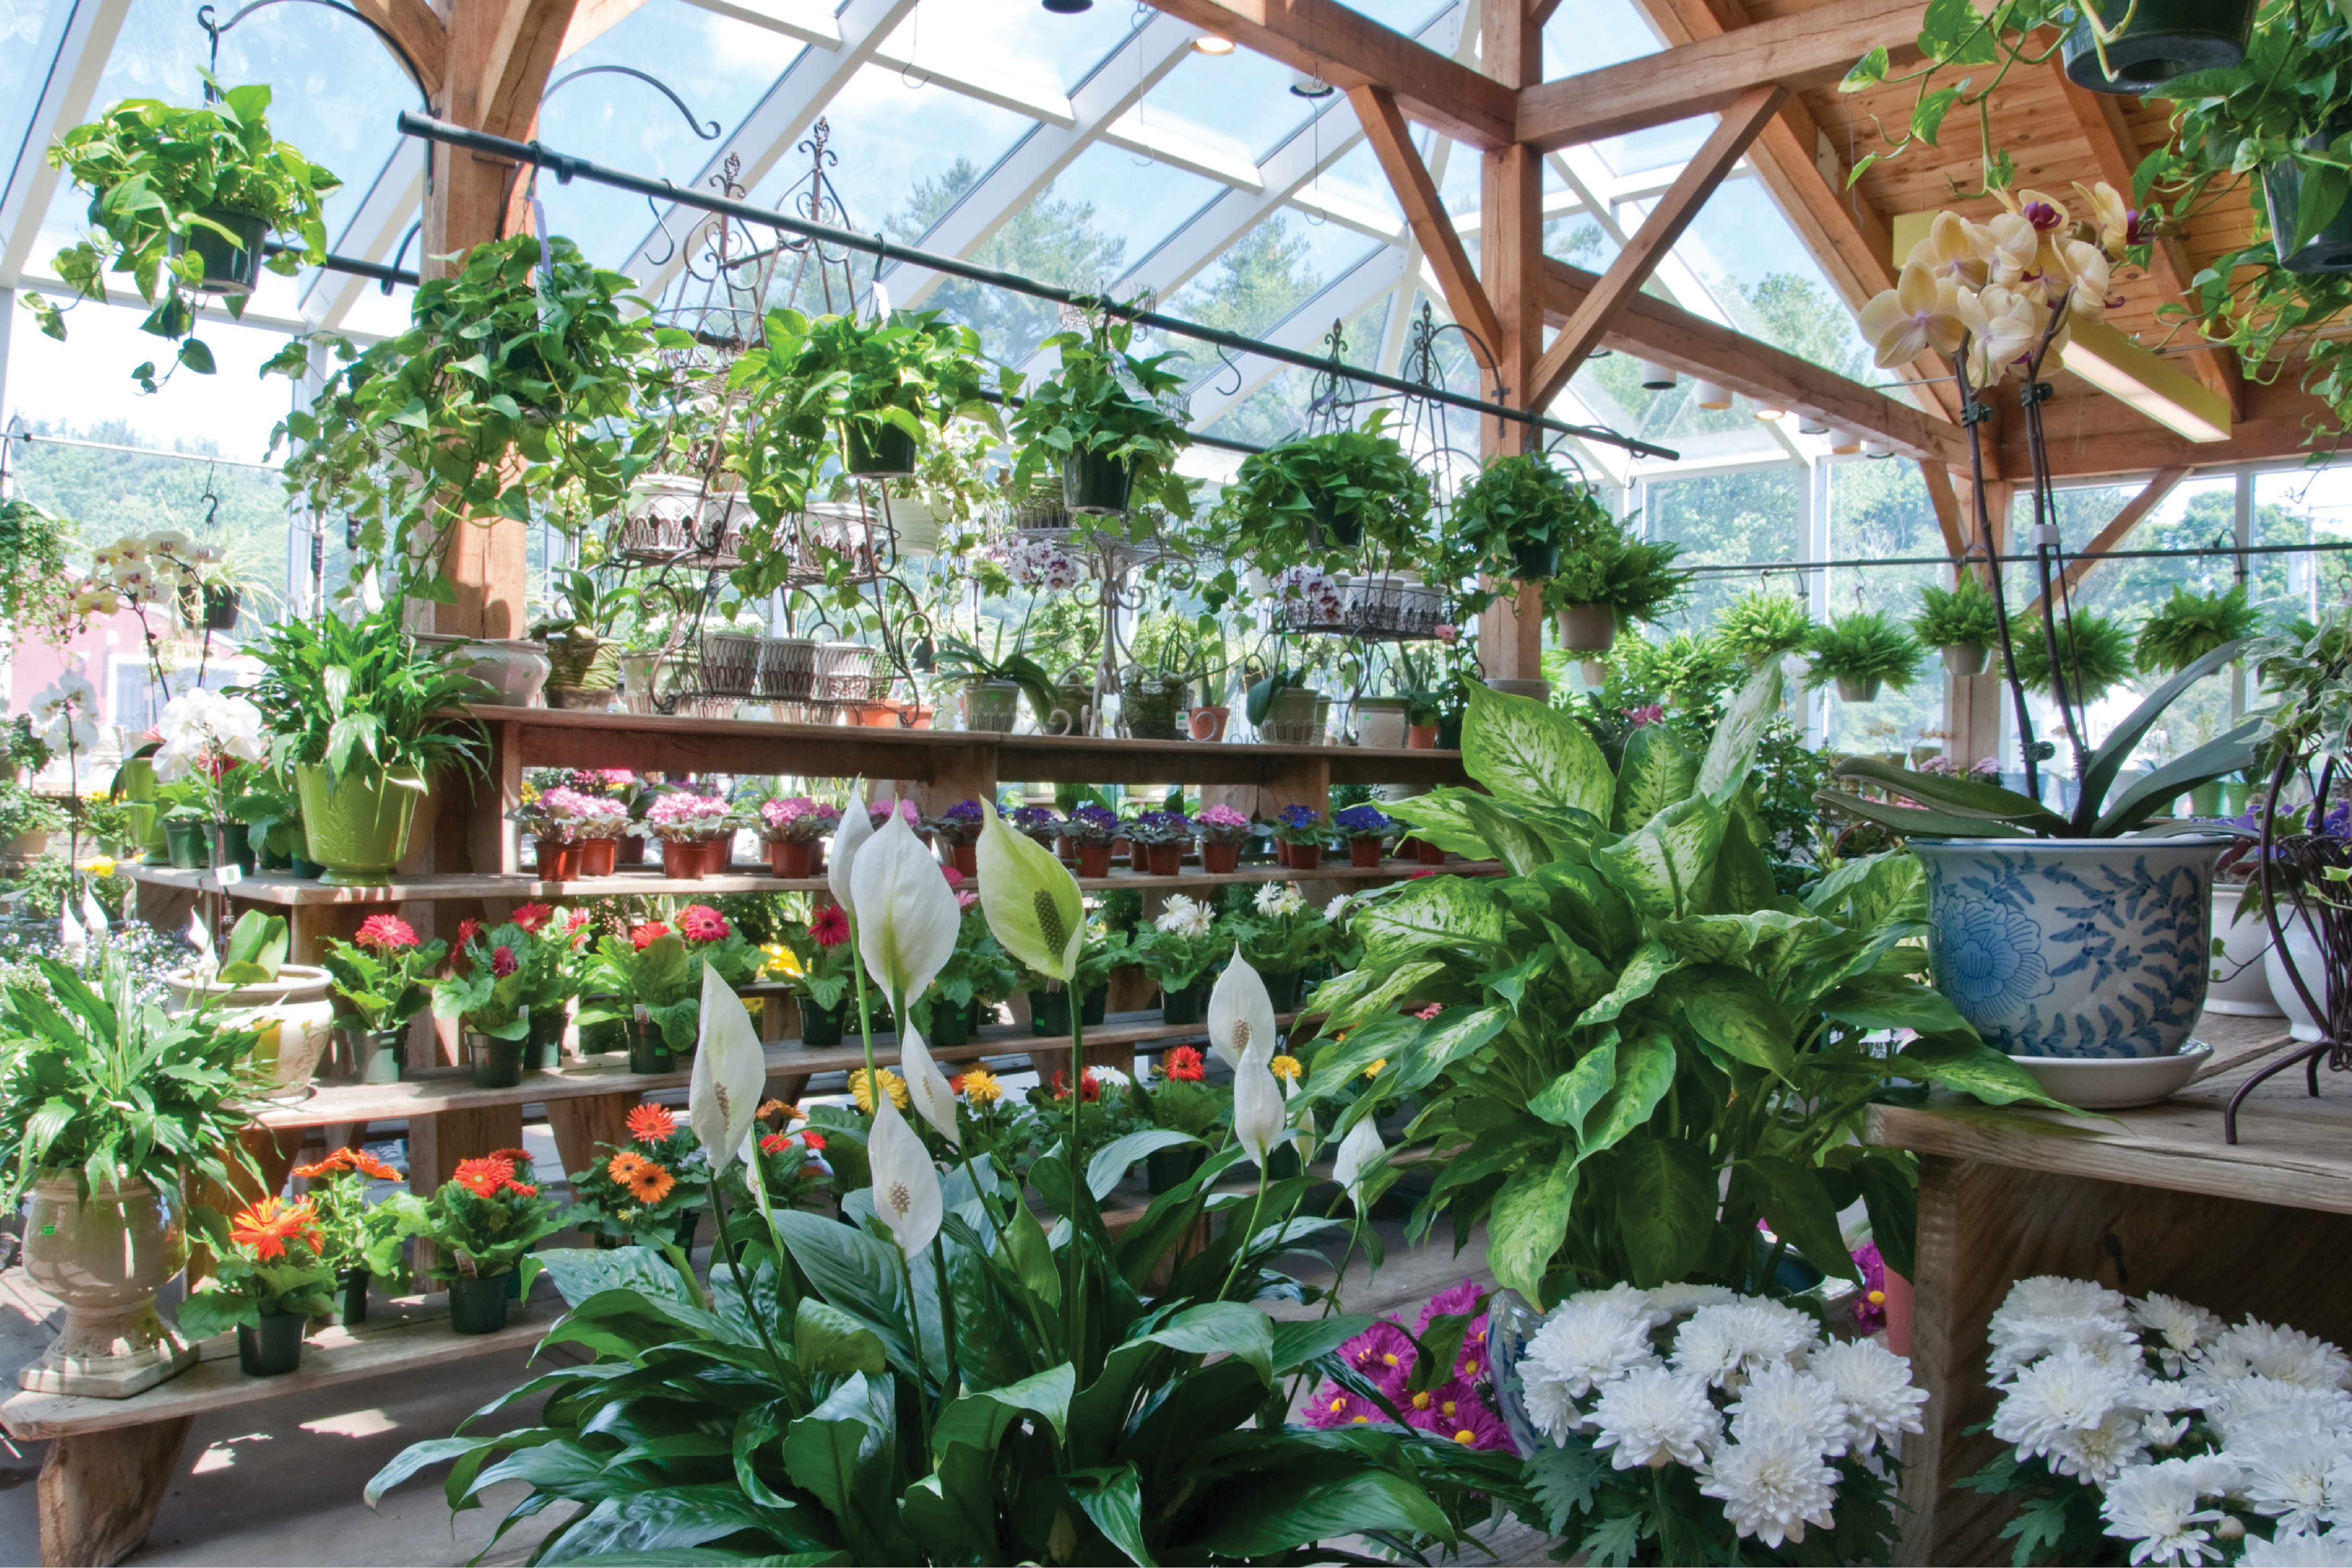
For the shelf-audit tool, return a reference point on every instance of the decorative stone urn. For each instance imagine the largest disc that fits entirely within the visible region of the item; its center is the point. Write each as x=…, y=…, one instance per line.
x=103, y=1260
x=291, y=1013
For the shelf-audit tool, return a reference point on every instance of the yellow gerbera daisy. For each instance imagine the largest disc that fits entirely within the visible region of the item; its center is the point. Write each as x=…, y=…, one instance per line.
x=1286, y=1068
x=981, y=1088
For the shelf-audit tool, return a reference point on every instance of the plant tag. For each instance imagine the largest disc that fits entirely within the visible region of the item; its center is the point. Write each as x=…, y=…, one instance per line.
x=228, y=875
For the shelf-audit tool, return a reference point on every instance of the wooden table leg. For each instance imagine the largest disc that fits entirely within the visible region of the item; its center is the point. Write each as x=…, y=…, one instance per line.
x=99, y=1492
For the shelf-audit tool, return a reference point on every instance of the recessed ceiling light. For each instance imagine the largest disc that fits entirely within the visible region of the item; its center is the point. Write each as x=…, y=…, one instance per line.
x=1844, y=443
x=1210, y=44
x=1069, y=7
x=1656, y=377
x=1709, y=394
x=1766, y=411
x=1306, y=86
x=1877, y=449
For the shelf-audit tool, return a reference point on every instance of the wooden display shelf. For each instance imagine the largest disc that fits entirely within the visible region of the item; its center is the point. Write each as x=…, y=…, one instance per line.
x=275, y=888
x=2146, y=1200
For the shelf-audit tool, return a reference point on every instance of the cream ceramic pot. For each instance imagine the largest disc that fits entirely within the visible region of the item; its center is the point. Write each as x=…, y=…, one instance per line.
x=103, y=1260
x=292, y=1013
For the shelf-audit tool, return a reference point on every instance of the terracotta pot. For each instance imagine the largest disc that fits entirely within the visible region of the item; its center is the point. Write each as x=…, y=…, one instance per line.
x=718, y=855
x=557, y=862
x=1219, y=857
x=104, y=1260
x=598, y=856
x=1420, y=737
x=1094, y=860
x=1364, y=851
x=1165, y=859
x=1282, y=848
x=680, y=860
x=1430, y=854
x=967, y=858
x=632, y=851
x=1208, y=725
x=1306, y=856
x=1587, y=628
x=792, y=857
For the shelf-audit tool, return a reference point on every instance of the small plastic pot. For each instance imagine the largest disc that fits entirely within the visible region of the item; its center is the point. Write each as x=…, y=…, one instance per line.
x=1282, y=989
x=632, y=851
x=496, y=1063
x=1093, y=482
x=1165, y=859
x=1428, y=853
x=1165, y=1170
x=1219, y=857
x=680, y=860
x=822, y=1026
x=354, y=1286
x=877, y=451
x=599, y=855
x=1094, y=860
x=271, y=1348
x=950, y=1026
x=791, y=858
x=967, y=858
x=1535, y=562
x=649, y=1052
x=1365, y=851
x=478, y=1303
x=1306, y=856
x=556, y=862
x=1187, y=1006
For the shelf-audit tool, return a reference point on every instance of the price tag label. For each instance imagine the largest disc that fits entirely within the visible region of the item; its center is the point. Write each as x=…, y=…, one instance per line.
x=229, y=875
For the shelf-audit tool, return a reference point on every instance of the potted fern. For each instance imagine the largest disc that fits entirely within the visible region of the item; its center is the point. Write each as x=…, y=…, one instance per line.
x=1959, y=622
x=2187, y=627
x=1762, y=624
x=1864, y=652
x=2094, y=655
x=1608, y=578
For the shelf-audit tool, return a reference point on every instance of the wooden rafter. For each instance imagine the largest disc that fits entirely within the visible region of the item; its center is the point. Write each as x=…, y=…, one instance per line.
x=1440, y=243
x=1648, y=246
x=1347, y=48
x=1801, y=49
x=421, y=35
x=2119, y=529
x=515, y=71
x=1956, y=527
x=2116, y=153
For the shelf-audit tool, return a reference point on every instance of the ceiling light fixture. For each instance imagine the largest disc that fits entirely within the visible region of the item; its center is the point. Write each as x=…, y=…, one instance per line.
x=1711, y=395
x=1844, y=443
x=1656, y=377
x=2120, y=367
x=1210, y=44
x=1068, y=8
x=1766, y=411
x=1811, y=424
x=1877, y=449
x=1309, y=86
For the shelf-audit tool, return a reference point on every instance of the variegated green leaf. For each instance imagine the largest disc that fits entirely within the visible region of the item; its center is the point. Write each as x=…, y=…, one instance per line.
x=1529, y=754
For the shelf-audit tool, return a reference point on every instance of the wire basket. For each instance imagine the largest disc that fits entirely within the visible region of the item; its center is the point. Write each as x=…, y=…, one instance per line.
x=730, y=663
x=788, y=670
x=1039, y=515
x=844, y=672
x=674, y=519
x=1396, y=608
x=1299, y=614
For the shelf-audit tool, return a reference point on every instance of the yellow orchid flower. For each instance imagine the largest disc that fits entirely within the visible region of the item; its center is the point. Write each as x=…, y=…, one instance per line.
x=2002, y=324
x=1956, y=249
x=2016, y=248
x=2110, y=217
x=1921, y=312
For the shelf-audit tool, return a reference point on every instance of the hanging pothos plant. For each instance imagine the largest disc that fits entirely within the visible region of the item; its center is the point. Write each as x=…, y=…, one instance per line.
x=36, y=597
x=166, y=186
x=1107, y=404
x=510, y=395
x=1324, y=500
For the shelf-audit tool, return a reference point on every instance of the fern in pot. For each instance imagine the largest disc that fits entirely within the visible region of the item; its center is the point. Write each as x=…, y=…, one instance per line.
x=1864, y=652
x=2187, y=627
x=2094, y=655
x=1960, y=622
x=1609, y=579
x=1761, y=625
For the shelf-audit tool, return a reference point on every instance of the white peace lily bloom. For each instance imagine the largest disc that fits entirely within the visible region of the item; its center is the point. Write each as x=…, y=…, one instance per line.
x=1773, y=1484
x=730, y=1073
x=927, y=1087
x=1651, y=1416
x=841, y=860
x=1032, y=902
x=200, y=936
x=1359, y=1154
x=907, y=914
x=93, y=918
x=370, y=593
x=1241, y=1014
x=2155, y=1507
x=1258, y=1110
x=73, y=939
x=905, y=1184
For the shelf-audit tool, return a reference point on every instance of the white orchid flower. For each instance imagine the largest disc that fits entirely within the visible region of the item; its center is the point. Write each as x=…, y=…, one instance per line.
x=730, y=1073
x=63, y=712
x=1258, y=1110
x=1241, y=1016
x=905, y=1184
x=926, y=1086
x=1360, y=1152
x=1031, y=900
x=198, y=725
x=857, y=827
x=907, y=914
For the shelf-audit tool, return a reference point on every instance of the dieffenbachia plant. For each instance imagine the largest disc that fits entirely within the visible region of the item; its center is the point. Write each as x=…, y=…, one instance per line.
x=1642, y=1048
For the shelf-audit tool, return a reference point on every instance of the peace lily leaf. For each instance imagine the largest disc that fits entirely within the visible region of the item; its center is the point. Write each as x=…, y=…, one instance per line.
x=730, y=1073
x=1031, y=900
x=826, y=1339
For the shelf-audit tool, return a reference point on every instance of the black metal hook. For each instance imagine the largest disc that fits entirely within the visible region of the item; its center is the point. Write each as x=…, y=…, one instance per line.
x=697, y=126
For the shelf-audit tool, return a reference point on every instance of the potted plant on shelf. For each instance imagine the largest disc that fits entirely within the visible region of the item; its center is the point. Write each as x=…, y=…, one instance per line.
x=1108, y=422
x=1367, y=829
x=285, y=1003
x=977, y=976
x=1282, y=936
x=1179, y=949
x=994, y=684
x=1100, y=950
x=26, y=821
x=583, y=659
x=114, y=1110
x=205, y=735
x=883, y=388
x=1862, y=652
x=2187, y=627
x=269, y=1280
x=1298, y=834
x=648, y=1190
x=1322, y=499
x=1090, y=827
x=485, y=1219
x=555, y=819
x=691, y=826
x=1958, y=622
x=360, y=1240
x=380, y=976
x=1181, y=1101
x=485, y=995
x=182, y=201
x=1222, y=831
x=1513, y=517
x=958, y=827
x=796, y=827
x=818, y=959
x=1159, y=838
x=363, y=716
x=642, y=981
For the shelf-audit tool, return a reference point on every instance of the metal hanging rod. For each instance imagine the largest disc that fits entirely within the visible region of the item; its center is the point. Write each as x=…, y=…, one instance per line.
x=357, y=268
x=2181, y=552
x=567, y=168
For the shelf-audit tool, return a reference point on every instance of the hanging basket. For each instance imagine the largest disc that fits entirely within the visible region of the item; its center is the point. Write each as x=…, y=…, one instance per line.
x=1395, y=608
x=1095, y=482
x=232, y=266
x=2163, y=39
x=876, y=452
x=674, y=519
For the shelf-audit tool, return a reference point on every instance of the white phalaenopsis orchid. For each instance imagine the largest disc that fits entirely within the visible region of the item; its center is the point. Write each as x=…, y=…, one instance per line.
x=1259, y=1114
x=927, y=1087
x=65, y=713
x=203, y=727
x=857, y=827
x=731, y=1072
x=905, y=1184
x=907, y=913
x=1241, y=1014
x=1360, y=1152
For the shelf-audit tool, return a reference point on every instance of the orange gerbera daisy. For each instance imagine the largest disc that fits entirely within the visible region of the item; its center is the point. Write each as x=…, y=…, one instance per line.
x=623, y=1166
x=651, y=1183
x=483, y=1177
x=517, y=1158
x=651, y=1123
x=770, y=1109
x=270, y=1224
x=375, y=1170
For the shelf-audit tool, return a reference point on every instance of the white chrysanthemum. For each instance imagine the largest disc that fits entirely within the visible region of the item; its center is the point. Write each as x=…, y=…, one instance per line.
x=1773, y=1484
x=2154, y=1507
x=1874, y=1385
x=1279, y=899
x=2289, y=1550
x=1631, y=1301
x=2096, y=1454
x=1585, y=1345
x=2068, y=1392
x=2247, y=1409
x=1741, y=1338
x=2053, y=1296
x=1337, y=910
x=2253, y=1349
x=1783, y=1396
x=2025, y=1340
x=1650, y=1416
x=2178, y=1326
x=2298, y=1483
x=1681, y=1300
x=1549, y=1405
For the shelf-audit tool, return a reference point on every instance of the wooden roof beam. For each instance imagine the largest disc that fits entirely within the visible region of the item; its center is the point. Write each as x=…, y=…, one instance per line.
x=1440, y=243
x=1648, y=246
x=1690, y=343
x=1803, y=50
x=1347, y=48
x=421, y=33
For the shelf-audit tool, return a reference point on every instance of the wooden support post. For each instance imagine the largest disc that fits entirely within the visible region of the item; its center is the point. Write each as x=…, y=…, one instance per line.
x=580, y=1125
x=100, y=1491
x=1510, y=258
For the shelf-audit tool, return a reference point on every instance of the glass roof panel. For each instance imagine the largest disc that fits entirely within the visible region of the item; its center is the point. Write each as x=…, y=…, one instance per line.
x=720, y=66
x=1240, y=104
x=1013, y=38
x=1585, y=34
x=1269, y=272
x=23, y=24
x=1768, y=283
x=1356, y=179
x=1139, y=200
x=1661, y=145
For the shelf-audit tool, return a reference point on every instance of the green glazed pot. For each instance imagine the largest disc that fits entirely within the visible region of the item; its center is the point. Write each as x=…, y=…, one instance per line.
x=185, y=844
x=136, y=780
x=357, y=828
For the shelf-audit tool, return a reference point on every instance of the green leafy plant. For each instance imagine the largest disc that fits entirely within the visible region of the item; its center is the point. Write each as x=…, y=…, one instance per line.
x=1641, y=1047
x=586, y=628
x=37, y=595
x=384, y=974
x=961, y=660
x=269, y=1261
x=109, y=1086
x=1763, y=625
x=1520, y=502
x=2094, y=655
x=1958, y=616
x=1108, y=403
x=1868, y=645
x=485, y=1219
x=346, y=694
x=979, y=970
x=23, y=812
x=159, y=173
x=1322, y=500
x=2187, y=627
x=489, y=992
x=256, y=949
x=1635, y=578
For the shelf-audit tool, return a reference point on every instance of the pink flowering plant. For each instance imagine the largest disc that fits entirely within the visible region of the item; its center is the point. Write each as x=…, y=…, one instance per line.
x=683, y=817
x=381, y=974
x=1220, y=825
x=797, y=819
x=1435, y=1379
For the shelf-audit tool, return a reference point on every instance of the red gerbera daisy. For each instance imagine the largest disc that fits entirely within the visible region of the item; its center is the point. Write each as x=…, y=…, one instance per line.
x=502, y=960
x=775, y=1143
x=1089, y=1090
x=700, y=923
x=270, y=1224
x=813, y=1141
x=644, y=936
x=483, y=1177
x=651, y=1123
x=1184, y=1065
x=468, y=930
x=530, y=917
x=830, y=927
x=385, y=933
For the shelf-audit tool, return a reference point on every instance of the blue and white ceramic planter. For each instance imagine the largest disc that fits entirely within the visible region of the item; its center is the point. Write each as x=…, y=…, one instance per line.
x=2085, y=947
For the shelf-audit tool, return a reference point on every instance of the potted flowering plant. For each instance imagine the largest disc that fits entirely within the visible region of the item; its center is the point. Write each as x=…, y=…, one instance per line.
x=488, y=993
x=648, y=1190
x=1179, y=949
x=484, y=1219
x=381, y=977
x=1160, y=837
x=643, y=982
x=1101, y=950
x=205, y=735
x=360, y=1240
x=1222, y=831
x=793, y=1166
x=796, y=829
x=1180, y=1099
x=691, y=827
x=1040, y=823
x=268, y=1282
x=959, y=828
x=1298, y=834
x=1368, y=828
x=977, y=974
x=822, y=973
x=550, y=977
x=1090, y=827
x=1282, y=936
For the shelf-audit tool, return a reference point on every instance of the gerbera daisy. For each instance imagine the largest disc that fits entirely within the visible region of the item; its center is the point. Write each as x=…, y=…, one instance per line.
x=892, y=1085
x=700, y=923
x=623, y=1166
x=1090, y=1086
x=519, y=1158
x=385, y=933
x=829, y=927
x=530, y=917
x=502, y=960
x=468, y=930
x=270, y=1224
x=375, y=1170
x=1184, y=1065
x=651, y=1183
x=333, y=1164
x=979, y=1087
x=811, y=1139
x=775, y=1143
x=651, y=1123
x=483, y=1177
x=644, y=936
x=771, y=1109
